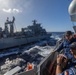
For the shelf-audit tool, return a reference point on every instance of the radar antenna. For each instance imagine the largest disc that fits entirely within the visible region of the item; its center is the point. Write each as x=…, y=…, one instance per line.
x=7, y=19
x=34, y=22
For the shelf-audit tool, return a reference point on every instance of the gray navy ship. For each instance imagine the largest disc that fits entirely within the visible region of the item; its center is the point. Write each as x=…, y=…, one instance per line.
x=9, y=38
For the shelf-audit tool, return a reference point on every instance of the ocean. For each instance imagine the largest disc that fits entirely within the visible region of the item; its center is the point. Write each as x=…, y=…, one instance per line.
x=34, y=53
x=57, y=35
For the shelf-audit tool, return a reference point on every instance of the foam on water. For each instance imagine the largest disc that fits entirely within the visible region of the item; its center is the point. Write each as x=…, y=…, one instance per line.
x=34, y=53
x=57, y=35
x=44, y=51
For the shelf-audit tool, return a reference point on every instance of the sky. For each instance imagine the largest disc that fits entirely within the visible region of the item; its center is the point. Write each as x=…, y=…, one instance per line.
x=52, y=14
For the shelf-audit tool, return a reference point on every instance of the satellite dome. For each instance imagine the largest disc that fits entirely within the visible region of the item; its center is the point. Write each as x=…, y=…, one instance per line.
x=72, y=10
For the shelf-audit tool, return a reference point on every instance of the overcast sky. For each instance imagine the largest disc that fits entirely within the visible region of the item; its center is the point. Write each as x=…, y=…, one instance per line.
x=53, y=14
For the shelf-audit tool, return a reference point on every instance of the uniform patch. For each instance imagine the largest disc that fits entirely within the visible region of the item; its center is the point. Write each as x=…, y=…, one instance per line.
x=66, y=73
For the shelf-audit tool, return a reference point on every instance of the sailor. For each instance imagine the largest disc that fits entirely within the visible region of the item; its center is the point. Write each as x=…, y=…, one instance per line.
x=60, y=64
x=66, y=43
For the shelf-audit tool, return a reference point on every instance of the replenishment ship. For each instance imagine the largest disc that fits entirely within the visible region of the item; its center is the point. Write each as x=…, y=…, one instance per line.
x=9, y=38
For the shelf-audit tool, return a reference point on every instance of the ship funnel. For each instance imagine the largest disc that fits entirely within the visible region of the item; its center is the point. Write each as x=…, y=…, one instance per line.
x=72, y=10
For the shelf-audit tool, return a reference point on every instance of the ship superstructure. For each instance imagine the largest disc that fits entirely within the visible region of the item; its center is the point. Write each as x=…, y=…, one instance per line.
x=9, y=38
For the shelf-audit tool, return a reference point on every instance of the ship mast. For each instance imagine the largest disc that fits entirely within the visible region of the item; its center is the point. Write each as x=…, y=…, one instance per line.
x=34, y=22
x=11, y=24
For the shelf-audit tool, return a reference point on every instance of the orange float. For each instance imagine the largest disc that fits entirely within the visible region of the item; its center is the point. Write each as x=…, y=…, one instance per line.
x=29, y=66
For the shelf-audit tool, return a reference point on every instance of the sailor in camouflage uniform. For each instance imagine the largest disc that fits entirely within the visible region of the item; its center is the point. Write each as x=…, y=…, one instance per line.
x=71, y=71
x=69, y=39
x=62, y=61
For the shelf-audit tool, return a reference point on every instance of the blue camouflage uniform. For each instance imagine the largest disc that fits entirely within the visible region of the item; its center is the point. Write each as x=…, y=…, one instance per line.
x=71, y=71
x=65, y=45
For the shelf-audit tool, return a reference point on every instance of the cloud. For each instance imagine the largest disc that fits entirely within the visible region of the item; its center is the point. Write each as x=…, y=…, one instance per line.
x=15, y=6
x=11, y=10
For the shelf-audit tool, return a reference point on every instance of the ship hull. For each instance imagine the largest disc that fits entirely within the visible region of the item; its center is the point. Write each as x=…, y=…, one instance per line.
x=11, y=42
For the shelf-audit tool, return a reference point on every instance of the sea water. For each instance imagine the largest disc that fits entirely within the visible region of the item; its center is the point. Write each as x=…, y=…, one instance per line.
x=34, y=54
